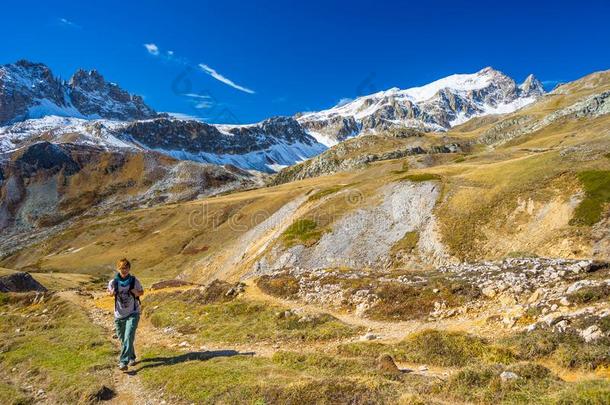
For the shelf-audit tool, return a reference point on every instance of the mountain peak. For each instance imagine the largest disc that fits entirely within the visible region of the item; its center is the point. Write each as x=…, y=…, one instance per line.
x=30, y=90
x=531, y=87
x=436, y=106
x=488, y=70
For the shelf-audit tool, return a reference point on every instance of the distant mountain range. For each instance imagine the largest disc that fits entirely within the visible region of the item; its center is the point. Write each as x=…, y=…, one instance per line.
x=437, y=106
x=96, y=112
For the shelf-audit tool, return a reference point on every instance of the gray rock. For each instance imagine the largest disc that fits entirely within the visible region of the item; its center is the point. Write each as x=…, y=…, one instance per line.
x=508, y=376
x=591, y=334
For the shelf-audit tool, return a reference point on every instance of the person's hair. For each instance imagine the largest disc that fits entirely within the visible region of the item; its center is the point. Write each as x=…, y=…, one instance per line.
x=123, y=264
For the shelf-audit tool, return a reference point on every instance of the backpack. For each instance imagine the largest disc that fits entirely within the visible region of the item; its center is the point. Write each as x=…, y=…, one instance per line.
x=132, y=284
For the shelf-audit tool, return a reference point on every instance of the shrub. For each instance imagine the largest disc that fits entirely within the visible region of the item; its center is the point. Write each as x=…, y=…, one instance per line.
x=567, y=348
x=400, y=301
x=279, y=285
x=590, y=294
x=444, y=348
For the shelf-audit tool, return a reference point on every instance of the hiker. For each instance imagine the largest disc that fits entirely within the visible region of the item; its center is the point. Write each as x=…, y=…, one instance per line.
x=127, y=291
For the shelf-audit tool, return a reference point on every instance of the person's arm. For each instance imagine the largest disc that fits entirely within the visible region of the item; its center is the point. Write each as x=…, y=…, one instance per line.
x=137, y=291
x=110, y=288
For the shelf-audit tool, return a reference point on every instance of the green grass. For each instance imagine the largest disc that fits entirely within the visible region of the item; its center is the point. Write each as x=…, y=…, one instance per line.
x=408, y=243
x=242, y=321
x=303, y=231
x=596, y=184
x=324, y=364
x=567, y=349
x=589, y=392
x=484, y=385
x=398, y=301
x=420, y=177
x=61, y=349
x=590, y=294
x=452, y=349
x=10, y=395
x=287, y=378
x=434, y=347
x=323, y=193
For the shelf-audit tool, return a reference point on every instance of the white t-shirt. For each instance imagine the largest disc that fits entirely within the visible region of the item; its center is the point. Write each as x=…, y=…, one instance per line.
x=125, y=303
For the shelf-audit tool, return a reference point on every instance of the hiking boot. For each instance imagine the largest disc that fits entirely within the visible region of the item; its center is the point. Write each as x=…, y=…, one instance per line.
x=122, y=366
x=132, y=363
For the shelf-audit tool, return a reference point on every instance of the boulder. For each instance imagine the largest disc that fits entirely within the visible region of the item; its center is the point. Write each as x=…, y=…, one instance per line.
x=386, y=364
x=508, y=376
x=20, y=282
x=592, y=333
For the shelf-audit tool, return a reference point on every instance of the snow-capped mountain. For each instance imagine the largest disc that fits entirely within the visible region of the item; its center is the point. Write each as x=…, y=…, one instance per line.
x=436, y=106
x=36, y=106
x=267, y=146
x=29, y=90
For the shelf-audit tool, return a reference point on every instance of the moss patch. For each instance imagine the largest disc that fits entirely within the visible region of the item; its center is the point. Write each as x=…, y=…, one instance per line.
x=407, y=244
x=323, y=193
x=420, y=177
x=596, y=184
x=303, y=231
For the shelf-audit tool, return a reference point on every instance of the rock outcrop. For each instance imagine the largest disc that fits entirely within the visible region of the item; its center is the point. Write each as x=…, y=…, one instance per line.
x=20, y=282
x=30, y=90
x=437, y=106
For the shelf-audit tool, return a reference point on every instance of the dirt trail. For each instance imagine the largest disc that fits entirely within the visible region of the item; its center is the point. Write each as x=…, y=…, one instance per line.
x=127, y=386
x=130, y=390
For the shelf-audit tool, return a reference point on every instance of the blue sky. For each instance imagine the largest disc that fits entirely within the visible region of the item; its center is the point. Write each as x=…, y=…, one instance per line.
x=241, y=62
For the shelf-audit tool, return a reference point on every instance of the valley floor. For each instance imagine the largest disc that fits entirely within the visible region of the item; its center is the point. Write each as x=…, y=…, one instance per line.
x=234, y=343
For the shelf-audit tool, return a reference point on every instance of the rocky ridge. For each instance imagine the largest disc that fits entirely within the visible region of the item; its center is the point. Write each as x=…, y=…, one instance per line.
x=434, y=107
x=30, y=90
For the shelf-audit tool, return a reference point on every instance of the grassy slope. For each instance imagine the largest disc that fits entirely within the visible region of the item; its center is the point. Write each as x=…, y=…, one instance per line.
x=305, y=372
x=481, y=216
x=58, y=281
x=56, y=348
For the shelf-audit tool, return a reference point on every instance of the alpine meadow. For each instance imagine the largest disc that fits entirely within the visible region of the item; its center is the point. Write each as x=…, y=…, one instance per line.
x=221, y=233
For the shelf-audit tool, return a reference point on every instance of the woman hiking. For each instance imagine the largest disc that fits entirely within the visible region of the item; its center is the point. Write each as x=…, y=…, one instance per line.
x=127, y=291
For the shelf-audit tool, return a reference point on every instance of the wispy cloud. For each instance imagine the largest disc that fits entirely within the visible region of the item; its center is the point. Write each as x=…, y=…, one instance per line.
x=201, y=101
x=224, y=79
x=202, y=105
x=152, y=49
x=67, y=23
x=197, y=95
